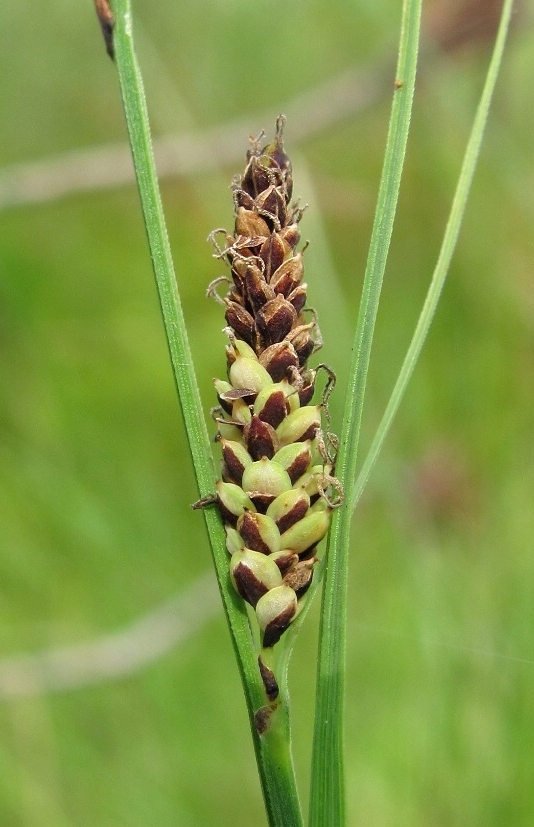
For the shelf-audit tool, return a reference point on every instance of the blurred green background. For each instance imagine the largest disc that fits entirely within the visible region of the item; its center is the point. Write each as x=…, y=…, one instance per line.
x=119, y=698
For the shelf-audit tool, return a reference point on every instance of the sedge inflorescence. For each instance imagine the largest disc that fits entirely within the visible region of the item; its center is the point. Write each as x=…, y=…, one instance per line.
x=277, y=489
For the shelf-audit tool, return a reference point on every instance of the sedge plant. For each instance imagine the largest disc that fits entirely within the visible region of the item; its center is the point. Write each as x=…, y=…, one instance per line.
x=286, y=482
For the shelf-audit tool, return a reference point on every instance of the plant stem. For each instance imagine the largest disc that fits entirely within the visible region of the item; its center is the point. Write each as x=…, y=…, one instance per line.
x=278, y=763
x=272, y=749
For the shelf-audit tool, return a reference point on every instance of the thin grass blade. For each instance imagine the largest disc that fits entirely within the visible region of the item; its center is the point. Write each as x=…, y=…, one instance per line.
x=272, y=752
x=327, y=800
x=445, y=255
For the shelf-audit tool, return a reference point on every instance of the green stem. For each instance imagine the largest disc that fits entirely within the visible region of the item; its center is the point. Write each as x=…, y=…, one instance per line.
x=278, y=762
x=272, y=749
x=327, y=802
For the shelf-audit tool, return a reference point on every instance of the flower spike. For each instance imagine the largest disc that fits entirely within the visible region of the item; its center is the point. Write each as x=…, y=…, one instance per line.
x=275, y=495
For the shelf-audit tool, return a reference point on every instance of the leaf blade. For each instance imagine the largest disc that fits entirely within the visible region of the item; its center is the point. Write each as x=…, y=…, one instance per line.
x=327, y=804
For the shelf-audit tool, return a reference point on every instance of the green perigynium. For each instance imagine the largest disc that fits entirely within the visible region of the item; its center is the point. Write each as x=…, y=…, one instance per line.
x=277, y=489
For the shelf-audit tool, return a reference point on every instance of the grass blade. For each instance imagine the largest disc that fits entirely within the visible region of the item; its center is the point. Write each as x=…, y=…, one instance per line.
x=272, y=750
x=327, y=799
x=450, y=238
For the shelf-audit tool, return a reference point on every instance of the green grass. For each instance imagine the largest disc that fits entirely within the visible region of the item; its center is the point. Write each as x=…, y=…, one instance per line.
x=95, y=481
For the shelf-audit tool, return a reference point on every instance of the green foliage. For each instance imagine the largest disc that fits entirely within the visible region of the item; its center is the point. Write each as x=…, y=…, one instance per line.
x=95, y=485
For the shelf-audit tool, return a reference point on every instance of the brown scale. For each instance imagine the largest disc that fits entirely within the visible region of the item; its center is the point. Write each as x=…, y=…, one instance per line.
x=264, y=307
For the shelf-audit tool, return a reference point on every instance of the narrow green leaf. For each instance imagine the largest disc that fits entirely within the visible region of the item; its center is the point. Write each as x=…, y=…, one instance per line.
x=446, y=252
x=327, y=802
x=354, y=491
x=273, y=749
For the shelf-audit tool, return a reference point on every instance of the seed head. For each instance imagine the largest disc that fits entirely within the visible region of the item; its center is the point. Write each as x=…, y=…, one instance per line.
x=277, y=489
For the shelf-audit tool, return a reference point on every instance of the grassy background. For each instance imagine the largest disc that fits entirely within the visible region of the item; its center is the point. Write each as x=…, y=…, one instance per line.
x=95, y=480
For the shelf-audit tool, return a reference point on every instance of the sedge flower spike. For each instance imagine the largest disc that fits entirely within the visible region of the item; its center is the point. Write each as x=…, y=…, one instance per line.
x=277, y=489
